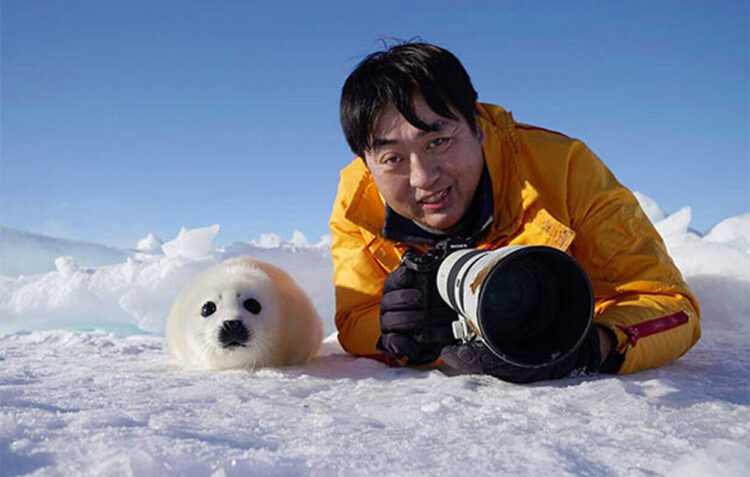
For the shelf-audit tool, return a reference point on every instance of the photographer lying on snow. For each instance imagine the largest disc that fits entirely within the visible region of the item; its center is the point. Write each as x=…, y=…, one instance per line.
x=434, y=168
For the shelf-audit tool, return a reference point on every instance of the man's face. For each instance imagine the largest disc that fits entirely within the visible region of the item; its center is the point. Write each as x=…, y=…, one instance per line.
x=426, y=176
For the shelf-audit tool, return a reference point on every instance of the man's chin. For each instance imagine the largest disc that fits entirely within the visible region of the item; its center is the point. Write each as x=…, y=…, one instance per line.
x=438, y=221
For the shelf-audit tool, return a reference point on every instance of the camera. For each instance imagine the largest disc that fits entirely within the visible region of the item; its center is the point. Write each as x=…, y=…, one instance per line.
x=532, y=305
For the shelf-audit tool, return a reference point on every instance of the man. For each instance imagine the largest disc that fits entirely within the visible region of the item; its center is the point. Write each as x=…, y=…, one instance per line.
x=434, y=164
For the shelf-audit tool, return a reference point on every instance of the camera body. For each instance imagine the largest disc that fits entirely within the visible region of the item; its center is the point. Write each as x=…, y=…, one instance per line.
x=532, y=305
x=427, y=264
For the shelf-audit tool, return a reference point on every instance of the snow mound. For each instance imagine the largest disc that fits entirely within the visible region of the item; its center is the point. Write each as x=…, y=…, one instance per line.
x=650, y=207
x=674, y=225
x=195, y=243
x=268, y=241
x=67, y=266
x=299, y=239
x=150, y=243
x=134, y=296
x=734, y=232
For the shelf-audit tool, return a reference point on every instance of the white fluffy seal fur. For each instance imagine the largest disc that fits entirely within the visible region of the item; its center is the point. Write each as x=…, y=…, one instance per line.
x=205, y=325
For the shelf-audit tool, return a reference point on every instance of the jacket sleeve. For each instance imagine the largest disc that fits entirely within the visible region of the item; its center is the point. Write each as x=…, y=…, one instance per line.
x=358, y=281
x=640, y=294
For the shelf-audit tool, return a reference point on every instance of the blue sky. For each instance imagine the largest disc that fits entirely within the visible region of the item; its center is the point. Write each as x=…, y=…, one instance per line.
x=122, y=118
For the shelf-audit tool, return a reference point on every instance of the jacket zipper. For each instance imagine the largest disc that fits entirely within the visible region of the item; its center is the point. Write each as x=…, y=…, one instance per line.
x=651, y=327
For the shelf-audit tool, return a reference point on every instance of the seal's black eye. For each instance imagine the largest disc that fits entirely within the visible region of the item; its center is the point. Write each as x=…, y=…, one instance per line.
x=252, y=305
x=208, y=309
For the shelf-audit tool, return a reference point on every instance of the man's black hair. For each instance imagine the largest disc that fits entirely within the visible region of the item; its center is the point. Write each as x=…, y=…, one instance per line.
x=396, y=75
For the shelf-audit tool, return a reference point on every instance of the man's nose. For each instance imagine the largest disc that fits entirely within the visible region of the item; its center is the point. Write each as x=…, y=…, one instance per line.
x=423, y=172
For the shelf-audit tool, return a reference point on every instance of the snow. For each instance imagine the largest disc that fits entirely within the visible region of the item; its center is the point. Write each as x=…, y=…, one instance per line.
x=195, y=243
x=650, y=207
x=732, y=232
x=675, y=225
x=135, y=295
x=269, y=241
x=67, y=266
x=87, y=387
x=150, y=243
x=27, y=253
x=299, y=239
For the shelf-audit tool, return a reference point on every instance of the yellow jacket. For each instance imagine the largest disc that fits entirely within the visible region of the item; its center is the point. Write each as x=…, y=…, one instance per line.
x=548, y=189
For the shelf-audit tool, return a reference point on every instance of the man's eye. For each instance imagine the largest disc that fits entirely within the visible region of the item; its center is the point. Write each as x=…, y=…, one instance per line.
x=390, y=160
x=441, y=141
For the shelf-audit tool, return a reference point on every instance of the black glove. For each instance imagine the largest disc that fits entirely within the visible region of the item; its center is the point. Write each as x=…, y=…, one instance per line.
x=415, y=323
x=476, y=358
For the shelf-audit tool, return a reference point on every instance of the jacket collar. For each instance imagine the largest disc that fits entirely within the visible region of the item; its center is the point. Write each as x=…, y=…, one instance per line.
x=502, y=150
x=512, y=194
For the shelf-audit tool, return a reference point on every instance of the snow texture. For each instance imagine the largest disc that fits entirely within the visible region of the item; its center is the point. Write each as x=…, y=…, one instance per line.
x=150, y=243
x=732, y=232
x=87, y=387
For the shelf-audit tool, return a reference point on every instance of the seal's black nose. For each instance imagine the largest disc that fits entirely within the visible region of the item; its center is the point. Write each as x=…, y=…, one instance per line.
x=233, y=333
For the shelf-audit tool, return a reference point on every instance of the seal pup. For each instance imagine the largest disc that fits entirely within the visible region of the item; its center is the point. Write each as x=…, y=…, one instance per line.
x=243, y=313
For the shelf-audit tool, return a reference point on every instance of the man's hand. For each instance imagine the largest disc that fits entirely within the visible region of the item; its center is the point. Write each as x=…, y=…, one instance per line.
x=476, y=358
x=415, y=323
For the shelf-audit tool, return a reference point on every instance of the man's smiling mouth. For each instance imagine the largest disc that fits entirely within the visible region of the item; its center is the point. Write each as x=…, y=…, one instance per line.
x=436, y=197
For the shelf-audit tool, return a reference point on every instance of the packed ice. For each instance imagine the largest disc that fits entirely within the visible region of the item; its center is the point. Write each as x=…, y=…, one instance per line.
x=87, y=387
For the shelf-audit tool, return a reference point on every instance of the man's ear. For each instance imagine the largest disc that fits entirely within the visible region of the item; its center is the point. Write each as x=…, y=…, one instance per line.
x=478, y=128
